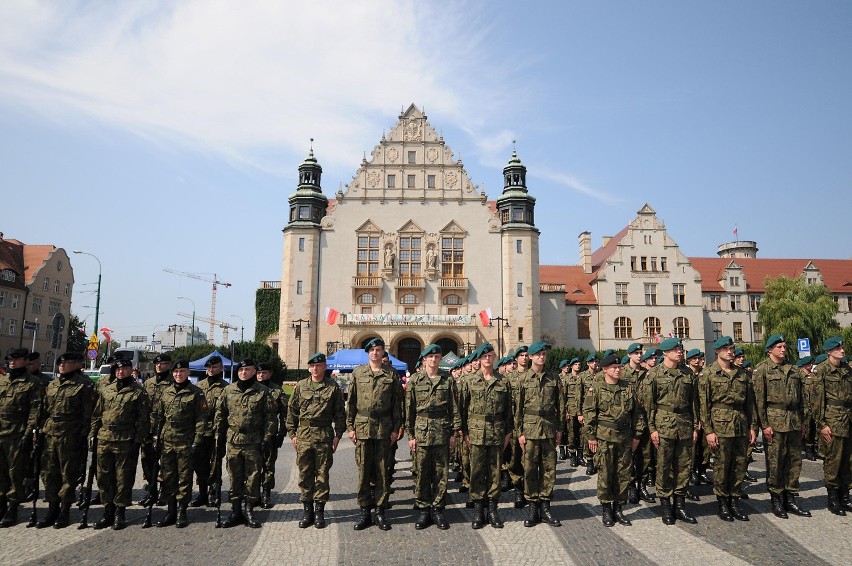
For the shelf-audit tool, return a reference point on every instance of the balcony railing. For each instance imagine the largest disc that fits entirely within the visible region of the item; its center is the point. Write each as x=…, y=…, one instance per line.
x=453, y=283
x=366, y=282
x=270, y=284
x=551, y=287
x=410, y=282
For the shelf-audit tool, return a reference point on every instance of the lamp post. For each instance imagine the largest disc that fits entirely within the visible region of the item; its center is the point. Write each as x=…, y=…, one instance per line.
x=500, y=328
x=192, y=339
x=242, y=327
x=297, y=326
x=154, y=338
x=98, y=299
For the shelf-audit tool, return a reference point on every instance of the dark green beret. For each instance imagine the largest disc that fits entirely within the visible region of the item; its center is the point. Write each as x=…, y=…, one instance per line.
x=832, y=343
x=573, y=361
x=609, y=360
x=821, y=358
x=723, y=342
x=693, y=353
x=634, y=347
x=649, y=354
x=774, y=339
x=374, y=343
x=739, y=352
x=563, y=363
x=537, y=347
x=482, y=350
x=430, y=349
x=625, y=360
x=519, y=351
x=802, y=362
x=608, y=352
x=670, y=344
x=318, y=358
x=746, y=364
x=591, y=358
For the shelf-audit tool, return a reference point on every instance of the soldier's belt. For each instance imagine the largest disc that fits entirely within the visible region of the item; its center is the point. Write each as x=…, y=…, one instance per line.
x=14, y=417
x=784, y=406
x=379, y=414
x=613, y=425
x=730, y=407
x=434, y=413
x=119, y=427
x=539, y=413
x=838, y=403
x=675, y=410
x=486, y=418
x=181, y=422
x=319, y=423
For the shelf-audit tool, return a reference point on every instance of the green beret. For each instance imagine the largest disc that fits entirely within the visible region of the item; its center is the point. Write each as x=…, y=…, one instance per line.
x=573, y=361
x=608, y=352
x=739, y=352
x=802, y=362
x=318, y=358
x=832, y=343
x=774, y=339
x=625, y=360
x=723, y=342
x=482, y=350
x=537, y=347
x=670, y=344
x=431, y=349
x=821, y=358
x=609, y=360
x=591, y=358
x=634, y=347
x=519, y=351
x=563, y=363
x=649, y=354
x=746, y=364
x=693, y=353
x=374, y=343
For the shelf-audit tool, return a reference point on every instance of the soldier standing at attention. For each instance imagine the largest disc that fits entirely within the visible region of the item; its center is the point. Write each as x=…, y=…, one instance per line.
x=587, y=377
x=573, y=411
x=66, y=418
x=564, y=372
x=539, y=410
x=206, y=462
x=614, y=422
x=280, y=402
x=809, y=433
x=673, y=409
x=180, y=419
x=246, y=419
x=727, y=406
x=832, y=409
x=701, y=453
x=514, y=463
x=120, y=423
x=154, y=387
x=780, y=411
x=316, y=405
x=432, y=419
x=20, y=402
x=34, y=369
x=373, y=419
x=634, y=374
x=485, y=406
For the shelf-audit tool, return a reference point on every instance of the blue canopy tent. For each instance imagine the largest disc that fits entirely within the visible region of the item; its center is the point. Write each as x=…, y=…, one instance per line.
x=198, y=365
x=347, y=360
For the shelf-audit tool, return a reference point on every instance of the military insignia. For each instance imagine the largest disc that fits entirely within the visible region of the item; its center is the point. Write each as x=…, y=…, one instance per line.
x=591, y=389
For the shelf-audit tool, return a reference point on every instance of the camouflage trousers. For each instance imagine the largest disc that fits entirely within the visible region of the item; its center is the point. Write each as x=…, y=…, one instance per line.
x=701, y=453
x=149, y=461
x=269, y=459
x=571, y=438
x=837, y=466
x=584, y=440
x=371, y=456
x=117, y=471
x=314, y=461
x=643, y=457
x=674, y=462
x=613, y=460
x=244, y=468
x=12, y=468
x=60, y=467
x=539, y=469
x=783, y=462
x=430, y=485
x=513, y=462
x=465, y=464
x=730, y=462
x=176, y=467
x=485, y=465
x=203, y=464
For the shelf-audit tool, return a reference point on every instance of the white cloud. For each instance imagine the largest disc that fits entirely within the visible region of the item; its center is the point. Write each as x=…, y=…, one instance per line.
x=573, y=183
x=248, y=79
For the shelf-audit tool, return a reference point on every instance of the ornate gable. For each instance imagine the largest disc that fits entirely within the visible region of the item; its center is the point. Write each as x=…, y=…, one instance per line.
x=453, y=228
x=369, y=226
x=411, y=226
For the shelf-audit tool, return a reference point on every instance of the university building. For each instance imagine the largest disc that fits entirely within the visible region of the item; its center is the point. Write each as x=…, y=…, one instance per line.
x=413, y=251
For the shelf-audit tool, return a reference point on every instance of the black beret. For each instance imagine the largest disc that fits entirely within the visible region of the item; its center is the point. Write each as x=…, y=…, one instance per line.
x=33, y=356
x=124, y=363
x=213, y=361
x=265, y=366
x=18, y=353
x=162, y=358
x=180, y=364
x=248, y=362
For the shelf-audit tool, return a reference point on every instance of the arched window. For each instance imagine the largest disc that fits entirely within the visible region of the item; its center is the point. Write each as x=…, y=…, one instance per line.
x=367, y=299
x=623, y=328
x=652, y=327
x=681, y=327
x=409, y=299
x=452, y=300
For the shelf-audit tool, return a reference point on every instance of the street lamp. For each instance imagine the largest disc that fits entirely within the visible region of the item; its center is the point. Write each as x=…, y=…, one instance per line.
x=98, y=300
x=242, y=327
x=500, y=328
x=154, y=338
x=297, y=326
x=192, y=340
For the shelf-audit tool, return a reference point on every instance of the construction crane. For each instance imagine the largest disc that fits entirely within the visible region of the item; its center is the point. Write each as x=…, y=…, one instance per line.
x=215, y=282
x=223, y=325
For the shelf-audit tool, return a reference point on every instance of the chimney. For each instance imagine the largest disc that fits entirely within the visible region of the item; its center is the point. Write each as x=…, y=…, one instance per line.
x=605, y=240
x=586, y=251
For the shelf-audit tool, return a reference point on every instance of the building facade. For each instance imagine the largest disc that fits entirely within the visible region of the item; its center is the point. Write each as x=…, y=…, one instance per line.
x=36, y=287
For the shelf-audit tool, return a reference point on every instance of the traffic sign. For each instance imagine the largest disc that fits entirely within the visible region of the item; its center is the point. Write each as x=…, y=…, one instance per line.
x=92, y=354
x=93, y=341
x=30, y=325
x=804, y=344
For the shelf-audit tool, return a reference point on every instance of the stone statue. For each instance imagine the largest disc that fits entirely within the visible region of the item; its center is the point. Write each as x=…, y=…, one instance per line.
x=431, y=258
x=389, y=257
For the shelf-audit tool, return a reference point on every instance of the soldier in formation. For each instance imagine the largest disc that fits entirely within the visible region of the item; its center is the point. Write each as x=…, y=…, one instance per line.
x=634, y=373
x=280, y=403
x=207, y=465
x=587, y=378
x=513, y=456
x=154, y=387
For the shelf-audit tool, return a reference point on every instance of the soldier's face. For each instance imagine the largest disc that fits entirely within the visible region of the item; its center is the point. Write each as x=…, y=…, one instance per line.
x=213, y=369
x=837, y=354
x=778, y=352
x=726, y=353
x=180, y=375
x=317, y=370
x=66, y=367
x=475, y=365
x=246, y=373
x=538, y=359
x=675, y=355
x=487, y=360
x=431, y=361
x=375, y=354
x=739, y=361
x=15, y=363
x=123, y=372
x=523, y=359
x=613, y=371
x=575, y=367
x=265, y=374
x=33, y=365
x=160, y=367
x=635, y=357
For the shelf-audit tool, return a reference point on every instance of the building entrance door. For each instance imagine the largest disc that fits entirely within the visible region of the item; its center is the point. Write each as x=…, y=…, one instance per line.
x=408, y=351
x=448, y=345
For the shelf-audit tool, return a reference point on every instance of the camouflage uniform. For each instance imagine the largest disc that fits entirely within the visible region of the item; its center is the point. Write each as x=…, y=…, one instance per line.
x=644, y=453
x=810, y=432
x=513, y=455
x=154, y=387
x=374, y=411
x=587, y=379
x=571, y=385
x=280, y=402
x=431, y=418
x=701, y=454
x=313, y=409
x=208, y=471
x=539, y=407
x=831, y=402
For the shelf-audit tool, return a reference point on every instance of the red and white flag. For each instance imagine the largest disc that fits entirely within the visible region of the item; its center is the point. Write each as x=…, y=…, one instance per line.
x=331, y=316
x=107, y=333
x=735, y=231
x=485, y=317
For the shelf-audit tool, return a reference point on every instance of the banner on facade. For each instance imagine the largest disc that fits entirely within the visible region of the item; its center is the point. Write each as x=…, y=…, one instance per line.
x=387, y=318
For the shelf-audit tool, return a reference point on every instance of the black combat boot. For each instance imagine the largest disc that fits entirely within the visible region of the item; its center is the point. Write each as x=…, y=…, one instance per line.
x=251, y=520
x=701, y=475
x=319, y=514
x=591, y=469
x=308, y=516
x=478, y=515
x=64, y=517
x=181, y=515
x=791, y=506
x=736, y=511
x=145, y=500
x=4, y=506
x=608, y=518
x=520, y=500
x=424, y=518
x=504, y=480
x=533, y=514
x=213, y=495
x=493, y=515
x=691, y=496
x=236, y=517
x=666, y=511
x=109, y=517
x=380, y=520
x=778, y=506
x=10, y=518
x=618, y=512
x=575, y=458
x=749, y=477
x=562, y=455
x=170, y=518
x=681, y=512
x=202, y=498
x=266, y=498
x=439, y=519
x=843, y=496
x=49, y=519
x=365, y=521
x=724, y=509
x=547, y=514
x=632, y=493
x=120, y=521
x=833, y=503
x=644, y=494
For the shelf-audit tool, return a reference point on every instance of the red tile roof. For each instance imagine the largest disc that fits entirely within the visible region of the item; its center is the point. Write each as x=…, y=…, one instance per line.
x=34, y=258
x=578, y=290
x=600, y=255
x=836, y=273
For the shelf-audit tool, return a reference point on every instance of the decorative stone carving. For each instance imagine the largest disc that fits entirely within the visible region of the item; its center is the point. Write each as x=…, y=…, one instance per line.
x=450, y=179
x=412, y=130
x=373, y=179
x=432, y=154
x=392, y=155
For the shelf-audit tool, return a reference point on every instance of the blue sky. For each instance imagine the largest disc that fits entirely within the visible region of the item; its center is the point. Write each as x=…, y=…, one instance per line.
x=168, y=134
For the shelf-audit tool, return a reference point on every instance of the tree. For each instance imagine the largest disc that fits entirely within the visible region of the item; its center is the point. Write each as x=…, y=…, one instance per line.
x=797, y=309
x=77, y=339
